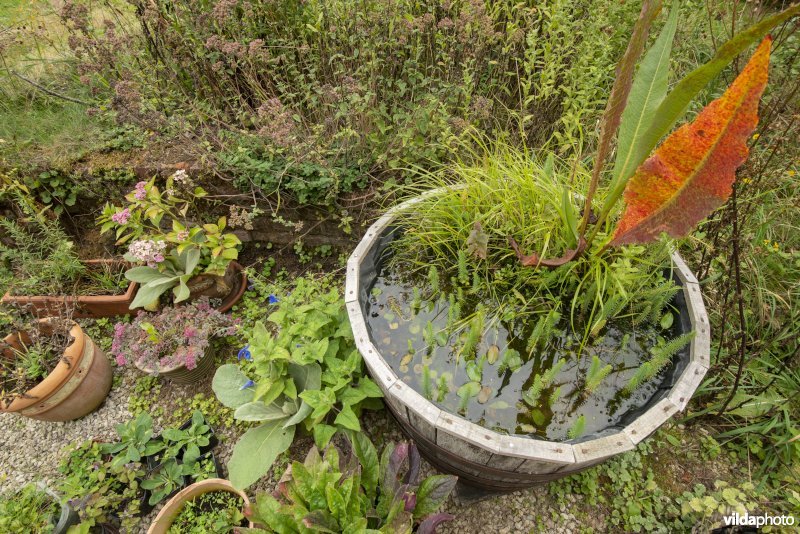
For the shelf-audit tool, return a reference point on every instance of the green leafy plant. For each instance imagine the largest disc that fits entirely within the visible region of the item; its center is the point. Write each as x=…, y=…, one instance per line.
x=55, y=189
x=171, y=257
x=354, y=493
x=215, y=512
x=189, y=440
x=32, y=352
x=307, y=374
x=40, y=256
x=100, y=492
x=30, y=509
x=165, y=480
x=135, y=441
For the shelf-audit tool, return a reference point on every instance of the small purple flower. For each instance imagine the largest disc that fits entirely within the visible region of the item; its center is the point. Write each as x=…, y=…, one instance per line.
x=139, y=192
x=251, y=286
x=247, y=384
x=244, y=353
x=122, y=216
x=272, y=299
x=182, y=235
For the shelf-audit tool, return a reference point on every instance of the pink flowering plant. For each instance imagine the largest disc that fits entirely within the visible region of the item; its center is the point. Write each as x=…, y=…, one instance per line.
x=176, y=335
x=167, y=248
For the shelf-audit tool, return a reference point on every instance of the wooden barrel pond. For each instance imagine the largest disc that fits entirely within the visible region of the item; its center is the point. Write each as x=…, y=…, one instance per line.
x=499, y=462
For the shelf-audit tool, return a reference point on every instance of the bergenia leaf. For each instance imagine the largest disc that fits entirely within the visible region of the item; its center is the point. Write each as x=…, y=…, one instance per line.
x=429, y=524
x=692, y=172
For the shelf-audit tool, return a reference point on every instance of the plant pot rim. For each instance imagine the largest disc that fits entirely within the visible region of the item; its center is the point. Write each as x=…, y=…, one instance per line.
x=413, y=409
x=122, y=298
x=170, y=511
x=62, y=372
x=236, y=295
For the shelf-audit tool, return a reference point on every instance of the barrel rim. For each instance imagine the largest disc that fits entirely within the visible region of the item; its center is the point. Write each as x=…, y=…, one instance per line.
x=566, y=455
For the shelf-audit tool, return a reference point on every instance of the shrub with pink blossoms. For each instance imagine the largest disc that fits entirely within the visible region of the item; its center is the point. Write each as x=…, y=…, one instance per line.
x=174, y=336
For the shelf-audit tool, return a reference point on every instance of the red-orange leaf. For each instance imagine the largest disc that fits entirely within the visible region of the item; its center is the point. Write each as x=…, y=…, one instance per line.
x=692, y=172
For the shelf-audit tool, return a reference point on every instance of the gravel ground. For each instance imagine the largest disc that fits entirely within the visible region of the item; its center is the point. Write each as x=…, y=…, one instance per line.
x=31, y=450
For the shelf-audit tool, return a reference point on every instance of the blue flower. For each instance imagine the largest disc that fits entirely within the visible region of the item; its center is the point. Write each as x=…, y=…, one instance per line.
x=245, y=353
x=247, y=384
x=251, y=286
x=272, y=299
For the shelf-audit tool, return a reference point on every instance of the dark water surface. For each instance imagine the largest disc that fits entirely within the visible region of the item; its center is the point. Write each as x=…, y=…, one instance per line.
x=437, y=370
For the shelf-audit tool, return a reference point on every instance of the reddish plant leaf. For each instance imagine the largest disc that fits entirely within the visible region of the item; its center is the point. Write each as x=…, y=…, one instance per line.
x=692, y=172
x=534, y=260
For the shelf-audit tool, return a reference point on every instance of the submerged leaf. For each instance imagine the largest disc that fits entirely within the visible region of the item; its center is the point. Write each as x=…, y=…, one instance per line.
x=691, y=174
x=478, y=242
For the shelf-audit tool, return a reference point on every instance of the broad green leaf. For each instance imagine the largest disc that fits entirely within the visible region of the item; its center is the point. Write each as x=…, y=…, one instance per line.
x=181, y=291
x=432, y=493
x=192, y=259
x=259, y=411
x=146, y=295
x=143, y=274
x=347, y=418
x=368, y=457
x=256, y=451
x=306, y=376
x=227, y=385
x=647, y=92
x=300, y=415
x=323, y=434
x=369, y=387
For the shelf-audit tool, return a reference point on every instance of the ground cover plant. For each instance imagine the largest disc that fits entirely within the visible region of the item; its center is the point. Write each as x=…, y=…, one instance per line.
x=30, y=508
x=307, y=376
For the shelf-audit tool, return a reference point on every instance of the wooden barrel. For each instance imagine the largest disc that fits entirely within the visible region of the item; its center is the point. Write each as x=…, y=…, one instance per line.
x=498, y=462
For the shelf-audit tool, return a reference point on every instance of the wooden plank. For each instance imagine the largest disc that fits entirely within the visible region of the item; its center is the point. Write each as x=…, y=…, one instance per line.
x=592, y=451
x=421, y=414
x=700, y=349
x=378, y=368
x=536, y=449
x=651, y=420
x=687, y=384
x=352, y=280
x=684, y=273
x=465, y=439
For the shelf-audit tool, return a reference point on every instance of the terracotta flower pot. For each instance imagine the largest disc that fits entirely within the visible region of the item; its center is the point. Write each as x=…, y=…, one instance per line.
x=229, y=287
x=167, y=515
x=90, y=306
x=79, y=383
x=180, y=374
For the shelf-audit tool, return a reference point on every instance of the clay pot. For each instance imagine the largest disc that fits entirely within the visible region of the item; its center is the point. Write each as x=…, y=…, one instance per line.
x=91, y=306
x=77, y=386
x=167, y=515
x=229, y=287
x=180, y=374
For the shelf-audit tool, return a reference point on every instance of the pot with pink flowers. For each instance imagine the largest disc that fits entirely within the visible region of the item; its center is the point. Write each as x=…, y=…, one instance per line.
x=171, y=250
x=174, y=342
